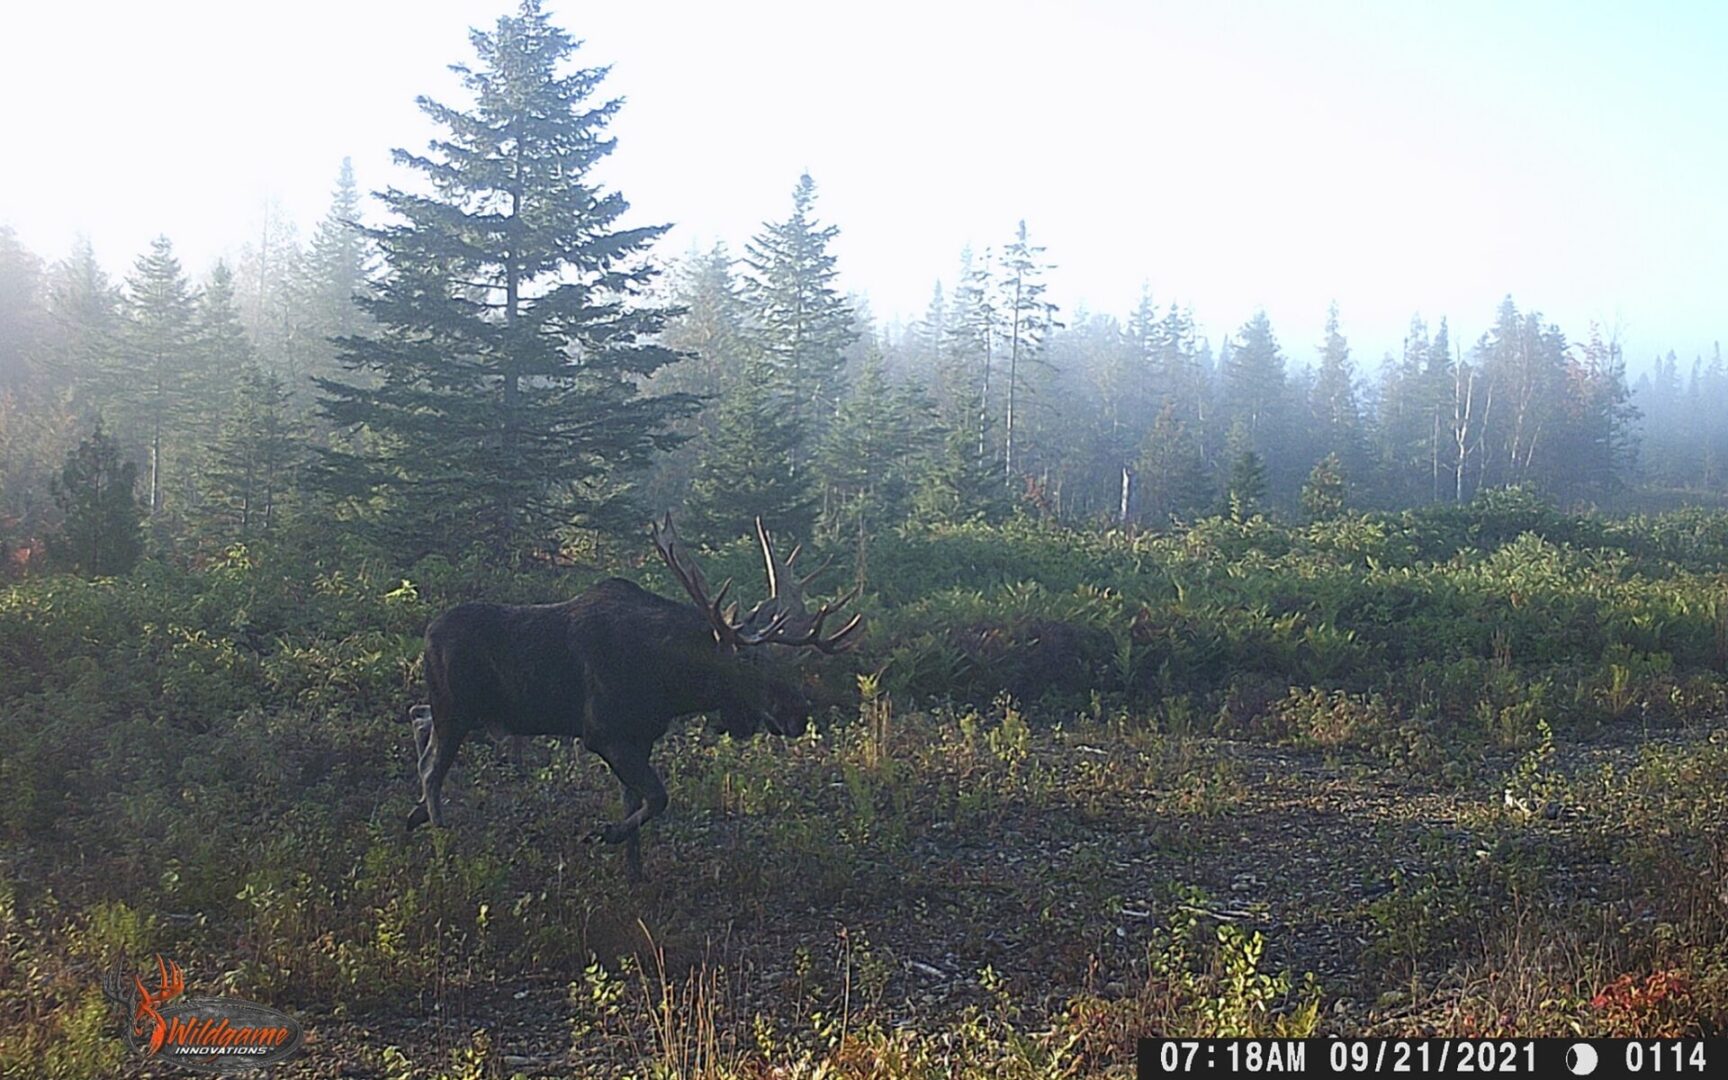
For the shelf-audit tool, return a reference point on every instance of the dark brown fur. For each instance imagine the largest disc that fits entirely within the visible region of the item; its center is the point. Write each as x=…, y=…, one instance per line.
x=613, y=667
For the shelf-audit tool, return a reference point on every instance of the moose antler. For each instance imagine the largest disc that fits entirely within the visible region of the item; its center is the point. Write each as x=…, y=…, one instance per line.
x=782, y=619
x=795, y=625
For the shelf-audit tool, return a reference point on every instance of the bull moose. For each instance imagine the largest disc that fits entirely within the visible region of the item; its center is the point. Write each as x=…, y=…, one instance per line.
x=614, y=667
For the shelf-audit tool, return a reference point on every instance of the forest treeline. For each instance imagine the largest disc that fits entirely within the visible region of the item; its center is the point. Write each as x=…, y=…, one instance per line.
x=500, y=362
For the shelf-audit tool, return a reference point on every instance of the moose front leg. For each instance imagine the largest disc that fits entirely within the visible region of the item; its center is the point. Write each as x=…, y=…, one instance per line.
x=644, y=800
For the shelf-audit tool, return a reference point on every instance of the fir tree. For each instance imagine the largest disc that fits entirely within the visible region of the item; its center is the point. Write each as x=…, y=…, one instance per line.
x=502, y=381
x=102, y=532
x=1171, y=474
x=21, y=325
x=221, y=355
x=872, y=453
x=957, y=486
x=1336, y=416
x=155, y=379
x=1324, y=493
x=254, y=456
x=969, y=354
x=747, y=471
x=1254, y=382
x=803, y=324
x=84, y=308
x=268, y=278
x=1030, y=320
x=711, y=334
x=1246, y=489
x=331, y=276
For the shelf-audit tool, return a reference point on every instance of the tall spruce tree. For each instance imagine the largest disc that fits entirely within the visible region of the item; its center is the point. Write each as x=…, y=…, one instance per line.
x=268, y=274
x=969, y=353
x=84, y=307
x=221, y=355
x=1333, y=408
x=1030, y=319
x=803, y=324
x=331, y=275
x=505, y=367
x=711, y=332
x=22, y=327
x=155, y=379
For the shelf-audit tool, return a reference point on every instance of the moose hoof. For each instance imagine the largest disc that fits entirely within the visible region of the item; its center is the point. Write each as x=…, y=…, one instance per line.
x=609, y=834
x=416, y=818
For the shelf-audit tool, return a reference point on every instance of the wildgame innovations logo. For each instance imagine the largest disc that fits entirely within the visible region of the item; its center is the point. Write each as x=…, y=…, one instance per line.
x=210, y=1034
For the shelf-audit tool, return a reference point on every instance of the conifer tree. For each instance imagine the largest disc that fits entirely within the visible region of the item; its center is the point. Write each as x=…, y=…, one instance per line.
x=1030, y=319
x=1254, y=382
x=101, y=533
x=969, y=355
x=872, y=454
x=711, y=334
x=502, y=381
x=803, y=325
x=267, y=278
x=21, y=324
x=84, y=308
x=1246, y=490
x=155, y=378
x=254, y=457
x=1324, y=493
x=1171, y=474
x=332, y=274
x=1337, y=419
x=747, y=470
x=219, y=356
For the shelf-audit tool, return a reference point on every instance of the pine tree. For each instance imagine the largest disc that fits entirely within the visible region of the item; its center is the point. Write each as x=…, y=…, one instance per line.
x=747, y=471
x=1324, y=494
x=1171, y=475
x=84, y=307
x=22, y=328
x=155, y=379
x=102, y=530
x=220, y=354
x=803, y=324
x=1247, y=488
x=254, y=457
x=1337, y=419
x=1030, y=319
x=969, y=354
x=711, y=334
x=502, y=380
x=334, y=271
x=872, y=453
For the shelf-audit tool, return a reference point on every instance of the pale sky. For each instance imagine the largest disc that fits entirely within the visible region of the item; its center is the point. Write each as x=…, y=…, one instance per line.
x=1396, y=157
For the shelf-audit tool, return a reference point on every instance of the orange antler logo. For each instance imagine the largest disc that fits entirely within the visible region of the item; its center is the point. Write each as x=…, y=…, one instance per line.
x=173, y=983
x=208, y=1034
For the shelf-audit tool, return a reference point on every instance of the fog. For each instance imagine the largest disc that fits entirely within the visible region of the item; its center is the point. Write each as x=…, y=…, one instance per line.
x=1393, y=158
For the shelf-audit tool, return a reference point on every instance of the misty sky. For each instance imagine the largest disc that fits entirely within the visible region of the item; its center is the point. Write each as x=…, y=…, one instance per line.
x=1396, y=157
